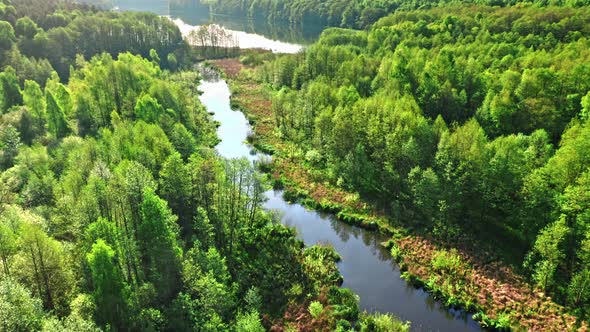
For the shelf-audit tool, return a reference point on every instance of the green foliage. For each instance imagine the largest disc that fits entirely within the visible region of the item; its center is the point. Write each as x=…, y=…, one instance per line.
x=9, y=144
x=108, y=285
x=447, y=261
x=155, y=57
x=253, y=299
x=381, y=323
x=315, y=309
x=34, y=100
x=10, y=94
x=158, y=243
x=7, y=37
x=501, y=323
x=249, y=323
x=19, y=311
x=26, y=27
x=56, y=119
x=172, y=61
x=344, y=303
x=345, y=13
x=69, y=324
x=459, y=120
x=548, y=248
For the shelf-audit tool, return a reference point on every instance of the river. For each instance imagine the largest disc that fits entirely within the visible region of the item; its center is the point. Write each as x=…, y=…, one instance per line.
x=368, y=269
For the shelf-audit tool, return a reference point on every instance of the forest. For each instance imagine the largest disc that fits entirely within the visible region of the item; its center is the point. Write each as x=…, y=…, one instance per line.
x=462, y=122
x=469, y=124
x=357, y=14
x=116, y=213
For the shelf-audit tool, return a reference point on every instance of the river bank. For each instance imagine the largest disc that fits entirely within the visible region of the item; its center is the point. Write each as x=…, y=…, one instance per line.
x=460, y=278
x=320, y=261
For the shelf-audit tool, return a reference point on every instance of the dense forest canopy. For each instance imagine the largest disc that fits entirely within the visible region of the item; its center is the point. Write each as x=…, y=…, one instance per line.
x=468, y=122
x=55, y=32
x=462, y=122
x=116, y=213
x=348, y=13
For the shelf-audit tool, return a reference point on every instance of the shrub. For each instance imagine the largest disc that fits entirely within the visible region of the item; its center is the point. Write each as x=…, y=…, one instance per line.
x=396, y=252
x=313, y=157
x=446, y=261
x=344, y=302
x=315, y=309
x=378, y=322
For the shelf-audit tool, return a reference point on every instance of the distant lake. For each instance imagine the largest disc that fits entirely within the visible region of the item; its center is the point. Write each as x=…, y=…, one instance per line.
x=251, y=32
x=247, y=40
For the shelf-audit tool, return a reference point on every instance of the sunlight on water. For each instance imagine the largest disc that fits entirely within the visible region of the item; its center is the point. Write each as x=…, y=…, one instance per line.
x=247, y=40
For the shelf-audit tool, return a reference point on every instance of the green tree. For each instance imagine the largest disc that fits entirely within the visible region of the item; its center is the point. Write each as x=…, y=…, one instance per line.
x=44, y=264
x=7, y=37
x=548, y=247
x=159, y=247
x=183, y=141
x=172, y=62
x=205, y=277
x=585, y=114
x=148, y=109
x=155, y=57
x=175, y=189
x=249, y=322
x=35, y=102
x=10, y=94
x=9, y=145
x=26, y=27
x=8, y=246
x=19, y=311
x=579, y=289
x=109, y=288
x=56, y=119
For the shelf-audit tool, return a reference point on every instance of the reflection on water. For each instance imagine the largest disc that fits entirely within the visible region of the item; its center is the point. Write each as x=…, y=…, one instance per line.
x=196, y=13
x=159, y=7
x=234, y=126
x=246, y=40
x=368, y=269
x=299, y=34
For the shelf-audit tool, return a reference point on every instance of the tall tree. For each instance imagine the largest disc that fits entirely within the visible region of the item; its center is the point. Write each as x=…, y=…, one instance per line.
x=35, y=102
x=10, y=94
x=56, y=119
x=109, y=288
x=175, y=188
x=158, y=242
x=549, y=249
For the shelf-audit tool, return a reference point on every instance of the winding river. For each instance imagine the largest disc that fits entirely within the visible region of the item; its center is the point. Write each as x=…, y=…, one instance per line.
x=367, y=268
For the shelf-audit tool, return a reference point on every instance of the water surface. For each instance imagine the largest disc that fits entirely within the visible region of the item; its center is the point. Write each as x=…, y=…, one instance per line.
x=246, y=40
x=250, y=32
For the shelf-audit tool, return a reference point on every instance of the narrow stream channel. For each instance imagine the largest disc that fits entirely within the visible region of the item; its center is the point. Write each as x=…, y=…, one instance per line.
x=367, y=268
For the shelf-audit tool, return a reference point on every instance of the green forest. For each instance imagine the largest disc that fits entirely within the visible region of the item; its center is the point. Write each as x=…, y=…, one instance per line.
x=467, y=123
x=116, y=213
x=460, y=129
x=346, y=13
